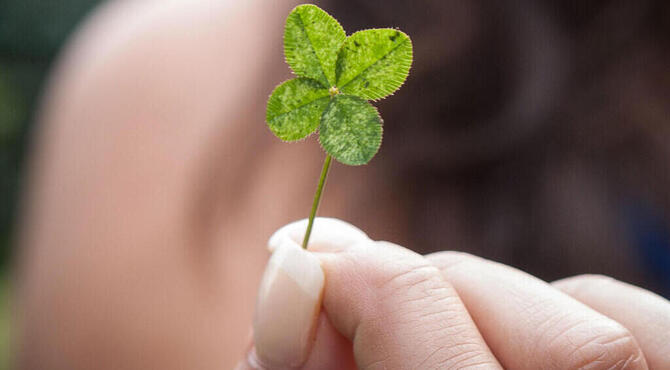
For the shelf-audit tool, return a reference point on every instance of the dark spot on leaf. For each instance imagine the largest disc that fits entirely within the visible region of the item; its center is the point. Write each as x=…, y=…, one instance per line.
x=394, y=36
x=356, y=43
x=366, y=84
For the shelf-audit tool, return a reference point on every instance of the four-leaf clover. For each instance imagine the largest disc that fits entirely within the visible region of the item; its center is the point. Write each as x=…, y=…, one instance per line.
x=337, y=75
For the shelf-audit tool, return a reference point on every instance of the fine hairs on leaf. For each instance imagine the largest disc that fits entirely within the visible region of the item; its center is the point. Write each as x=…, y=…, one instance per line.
x=337, y=75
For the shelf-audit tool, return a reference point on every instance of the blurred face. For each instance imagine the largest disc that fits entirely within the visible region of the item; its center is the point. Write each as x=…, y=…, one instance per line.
x=144, y=231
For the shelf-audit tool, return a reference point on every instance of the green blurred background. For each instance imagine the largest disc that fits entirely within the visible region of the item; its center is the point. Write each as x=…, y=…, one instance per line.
x=31, y=34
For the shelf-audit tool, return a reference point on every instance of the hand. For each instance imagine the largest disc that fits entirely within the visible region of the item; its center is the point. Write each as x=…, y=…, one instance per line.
x=387, y=307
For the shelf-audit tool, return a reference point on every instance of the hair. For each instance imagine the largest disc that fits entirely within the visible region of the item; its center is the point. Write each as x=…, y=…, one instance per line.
x=531, y=132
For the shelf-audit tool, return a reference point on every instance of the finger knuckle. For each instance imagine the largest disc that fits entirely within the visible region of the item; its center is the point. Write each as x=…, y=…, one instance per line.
x=403, y=282
x=412, y=281
x=608, y=346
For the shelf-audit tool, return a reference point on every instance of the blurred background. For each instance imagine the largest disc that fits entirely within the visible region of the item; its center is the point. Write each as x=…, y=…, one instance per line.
x=539, y=135
x=534, y=133
x=31, y=34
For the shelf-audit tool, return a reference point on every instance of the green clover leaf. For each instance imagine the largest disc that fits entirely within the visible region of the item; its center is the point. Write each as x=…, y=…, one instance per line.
x=336, y=76
x=295, y=108
x=350, y=127
x=311, y=41
x=374, y=63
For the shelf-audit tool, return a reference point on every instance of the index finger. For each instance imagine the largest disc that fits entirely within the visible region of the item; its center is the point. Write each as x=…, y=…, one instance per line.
x=396, y=308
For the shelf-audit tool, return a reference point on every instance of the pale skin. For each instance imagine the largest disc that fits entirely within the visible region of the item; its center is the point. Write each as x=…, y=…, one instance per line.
x=155, y=185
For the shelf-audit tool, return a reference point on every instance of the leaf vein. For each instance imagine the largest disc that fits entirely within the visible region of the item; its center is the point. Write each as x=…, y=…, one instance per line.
x=311, y=44
x=375, y=62
x=296, y=108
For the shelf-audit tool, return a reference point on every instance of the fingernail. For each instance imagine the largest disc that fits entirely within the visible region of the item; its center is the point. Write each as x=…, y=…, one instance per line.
x=288, y=305
x=328, y=235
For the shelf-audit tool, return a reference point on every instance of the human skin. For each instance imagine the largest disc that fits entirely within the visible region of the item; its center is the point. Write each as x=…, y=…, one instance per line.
x=401, y=310
x=153, y=189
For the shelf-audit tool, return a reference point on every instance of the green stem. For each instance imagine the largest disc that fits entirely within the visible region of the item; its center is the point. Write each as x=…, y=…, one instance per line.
x=317, y=198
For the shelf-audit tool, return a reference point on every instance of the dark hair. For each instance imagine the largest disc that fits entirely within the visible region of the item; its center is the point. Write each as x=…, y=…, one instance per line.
x=533, y=132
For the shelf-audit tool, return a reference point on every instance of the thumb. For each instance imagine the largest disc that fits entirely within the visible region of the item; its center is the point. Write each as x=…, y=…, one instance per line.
x=289, y=330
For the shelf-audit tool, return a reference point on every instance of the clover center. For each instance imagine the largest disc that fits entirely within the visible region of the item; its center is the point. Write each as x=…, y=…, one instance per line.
x=333, y=91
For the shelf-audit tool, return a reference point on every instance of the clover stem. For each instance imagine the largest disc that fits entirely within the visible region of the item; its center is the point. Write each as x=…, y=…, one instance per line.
x=317, y=198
